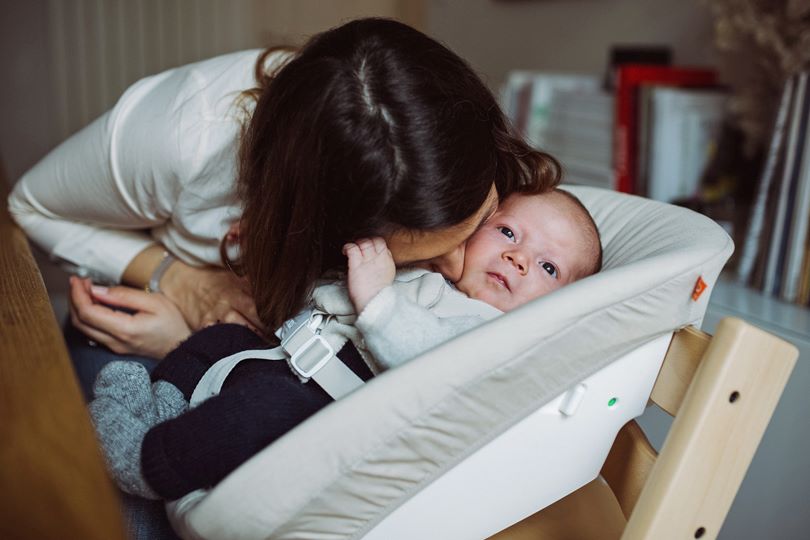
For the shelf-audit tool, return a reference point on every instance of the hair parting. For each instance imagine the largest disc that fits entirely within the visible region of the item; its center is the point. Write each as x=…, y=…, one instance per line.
x=372, y=127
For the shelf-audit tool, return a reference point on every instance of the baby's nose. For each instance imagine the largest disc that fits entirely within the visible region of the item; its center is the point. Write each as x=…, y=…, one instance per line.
x=518, y=261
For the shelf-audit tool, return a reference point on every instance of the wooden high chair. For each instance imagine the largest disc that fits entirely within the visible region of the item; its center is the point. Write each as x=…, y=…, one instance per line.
x=722, y=391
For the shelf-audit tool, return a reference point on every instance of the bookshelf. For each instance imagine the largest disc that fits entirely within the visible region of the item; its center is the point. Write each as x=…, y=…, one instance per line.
x=566, y=116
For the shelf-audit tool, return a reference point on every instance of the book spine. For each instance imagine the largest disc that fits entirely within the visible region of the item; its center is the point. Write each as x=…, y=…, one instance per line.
x=799, y=197
x=623, y=124
x=776, y=248
x=751, y=243
x=629, y=78
x=804, y=288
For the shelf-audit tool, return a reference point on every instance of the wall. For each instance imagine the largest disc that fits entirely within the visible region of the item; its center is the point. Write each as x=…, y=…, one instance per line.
x=566, y=35
x=65, y=63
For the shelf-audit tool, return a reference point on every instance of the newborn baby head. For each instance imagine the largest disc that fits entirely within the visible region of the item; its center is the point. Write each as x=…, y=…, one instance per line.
x=533, y=245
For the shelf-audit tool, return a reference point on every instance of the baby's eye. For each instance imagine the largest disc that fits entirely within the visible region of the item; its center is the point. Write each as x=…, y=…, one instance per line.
x=550, y=268
x=507, y=232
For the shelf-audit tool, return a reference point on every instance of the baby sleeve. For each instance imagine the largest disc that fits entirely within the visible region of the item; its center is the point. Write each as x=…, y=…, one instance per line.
x=396, y=329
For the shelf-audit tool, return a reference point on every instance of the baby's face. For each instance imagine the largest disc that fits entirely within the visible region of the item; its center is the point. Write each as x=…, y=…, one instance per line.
x=530, y=247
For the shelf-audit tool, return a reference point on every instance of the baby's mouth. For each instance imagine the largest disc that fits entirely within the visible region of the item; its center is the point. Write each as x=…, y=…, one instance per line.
x=499, y=279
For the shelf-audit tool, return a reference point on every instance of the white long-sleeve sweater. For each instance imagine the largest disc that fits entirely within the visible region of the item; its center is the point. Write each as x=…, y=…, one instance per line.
x=417, y=312
x=160, y=166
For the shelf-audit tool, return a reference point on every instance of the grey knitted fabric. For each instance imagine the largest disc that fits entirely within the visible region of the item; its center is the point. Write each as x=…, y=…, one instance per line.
x=126, y=406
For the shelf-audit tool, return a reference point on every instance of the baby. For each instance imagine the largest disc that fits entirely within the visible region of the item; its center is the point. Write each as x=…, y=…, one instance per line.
x=157, y=448
x=532, y=245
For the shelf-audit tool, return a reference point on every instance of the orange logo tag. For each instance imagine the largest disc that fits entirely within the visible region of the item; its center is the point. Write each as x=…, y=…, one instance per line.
x=700, y=286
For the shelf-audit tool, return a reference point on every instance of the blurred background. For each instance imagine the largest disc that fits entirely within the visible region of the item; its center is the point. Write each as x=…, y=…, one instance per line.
x=617, y=89
x=64, y=62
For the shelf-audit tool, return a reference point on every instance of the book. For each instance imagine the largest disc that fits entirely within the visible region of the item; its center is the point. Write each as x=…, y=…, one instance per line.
x=804, y=287
x=629, y=78
x=645, y=122
x=621, y=54
x=683, y=130
x=750, y=248
x=777, y=245
x=579, y=133
x=799, y=205
x=763, y=242
x=527, y=95
x=515, y=97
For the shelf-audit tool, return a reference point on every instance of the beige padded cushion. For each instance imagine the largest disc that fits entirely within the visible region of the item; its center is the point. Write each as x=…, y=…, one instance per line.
x=344, y=469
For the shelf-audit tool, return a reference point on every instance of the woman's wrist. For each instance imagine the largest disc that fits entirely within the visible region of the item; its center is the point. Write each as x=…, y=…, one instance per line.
x=175, y=280
x=141, y=268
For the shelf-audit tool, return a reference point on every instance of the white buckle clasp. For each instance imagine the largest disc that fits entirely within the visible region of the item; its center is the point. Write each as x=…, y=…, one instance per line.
x=311, y=356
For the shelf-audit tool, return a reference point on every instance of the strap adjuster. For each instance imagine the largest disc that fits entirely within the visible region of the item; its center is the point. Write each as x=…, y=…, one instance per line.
x=311, y=356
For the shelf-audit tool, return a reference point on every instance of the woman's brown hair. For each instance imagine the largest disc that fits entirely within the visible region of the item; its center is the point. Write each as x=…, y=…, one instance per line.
x=370, y=128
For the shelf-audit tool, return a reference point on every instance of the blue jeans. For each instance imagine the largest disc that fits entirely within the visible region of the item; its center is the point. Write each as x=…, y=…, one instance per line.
x=145, y=519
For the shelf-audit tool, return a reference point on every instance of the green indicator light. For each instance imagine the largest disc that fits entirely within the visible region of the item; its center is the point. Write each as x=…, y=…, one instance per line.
x=612, y=401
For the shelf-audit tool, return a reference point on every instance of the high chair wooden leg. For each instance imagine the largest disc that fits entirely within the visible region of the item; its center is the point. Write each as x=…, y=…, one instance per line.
x=714, y=436
x=723, y=391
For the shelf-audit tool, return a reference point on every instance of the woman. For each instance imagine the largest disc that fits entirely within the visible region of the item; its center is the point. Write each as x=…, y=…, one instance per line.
x=371, y=129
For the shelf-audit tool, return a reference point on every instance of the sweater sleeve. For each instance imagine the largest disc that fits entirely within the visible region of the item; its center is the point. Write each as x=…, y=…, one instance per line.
x=397, y=329
x=71, y=206
x=95, y=201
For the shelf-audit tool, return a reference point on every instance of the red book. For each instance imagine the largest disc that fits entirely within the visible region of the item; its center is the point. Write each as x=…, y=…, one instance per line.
x=625, y=136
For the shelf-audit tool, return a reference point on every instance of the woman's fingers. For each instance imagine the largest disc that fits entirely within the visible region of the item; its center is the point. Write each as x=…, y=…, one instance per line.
x=153, y=328
x=93, y=333
x=127, y=298
x=100, y=337
x=105, y=319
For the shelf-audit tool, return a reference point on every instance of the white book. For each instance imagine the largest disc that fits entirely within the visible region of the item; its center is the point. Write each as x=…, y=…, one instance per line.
x=685, y=126
x=775, y=243
x=543, y=88
x=751, y=244
x=800, y=220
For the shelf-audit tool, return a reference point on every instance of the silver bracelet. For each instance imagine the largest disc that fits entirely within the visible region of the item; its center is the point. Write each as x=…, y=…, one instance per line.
x=157, y=275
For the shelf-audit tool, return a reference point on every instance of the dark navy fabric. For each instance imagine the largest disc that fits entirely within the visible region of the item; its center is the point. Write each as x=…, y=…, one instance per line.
x=260, y=401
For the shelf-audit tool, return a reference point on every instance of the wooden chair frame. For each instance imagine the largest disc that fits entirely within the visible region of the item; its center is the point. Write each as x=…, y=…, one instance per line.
x=722, y=392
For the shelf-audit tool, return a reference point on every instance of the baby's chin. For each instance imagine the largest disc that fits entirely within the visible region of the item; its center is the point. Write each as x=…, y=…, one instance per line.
x=485, y=296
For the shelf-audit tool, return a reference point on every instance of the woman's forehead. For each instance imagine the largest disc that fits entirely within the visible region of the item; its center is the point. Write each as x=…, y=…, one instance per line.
x=409, y=245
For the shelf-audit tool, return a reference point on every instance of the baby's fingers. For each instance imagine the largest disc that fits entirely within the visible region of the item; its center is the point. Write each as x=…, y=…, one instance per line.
x=379, y=244
x=350, y=248
x=366, y=246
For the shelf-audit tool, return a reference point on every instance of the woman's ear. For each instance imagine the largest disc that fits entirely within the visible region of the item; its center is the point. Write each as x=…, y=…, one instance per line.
x=234, y=231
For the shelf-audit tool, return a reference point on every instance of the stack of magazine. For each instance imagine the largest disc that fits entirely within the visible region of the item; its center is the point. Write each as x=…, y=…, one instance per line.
x=776, y=253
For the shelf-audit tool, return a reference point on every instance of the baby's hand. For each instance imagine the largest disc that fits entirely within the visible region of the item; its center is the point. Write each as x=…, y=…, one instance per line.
x=371, y=269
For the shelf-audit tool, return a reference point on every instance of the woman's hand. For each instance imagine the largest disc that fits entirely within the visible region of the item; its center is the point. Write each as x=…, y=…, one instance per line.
x=154, y=327
x=207, y=296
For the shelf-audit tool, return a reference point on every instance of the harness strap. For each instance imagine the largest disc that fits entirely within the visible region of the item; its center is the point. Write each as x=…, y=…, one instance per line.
x=312, y=357
x=211, y=382
x=309, y=354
